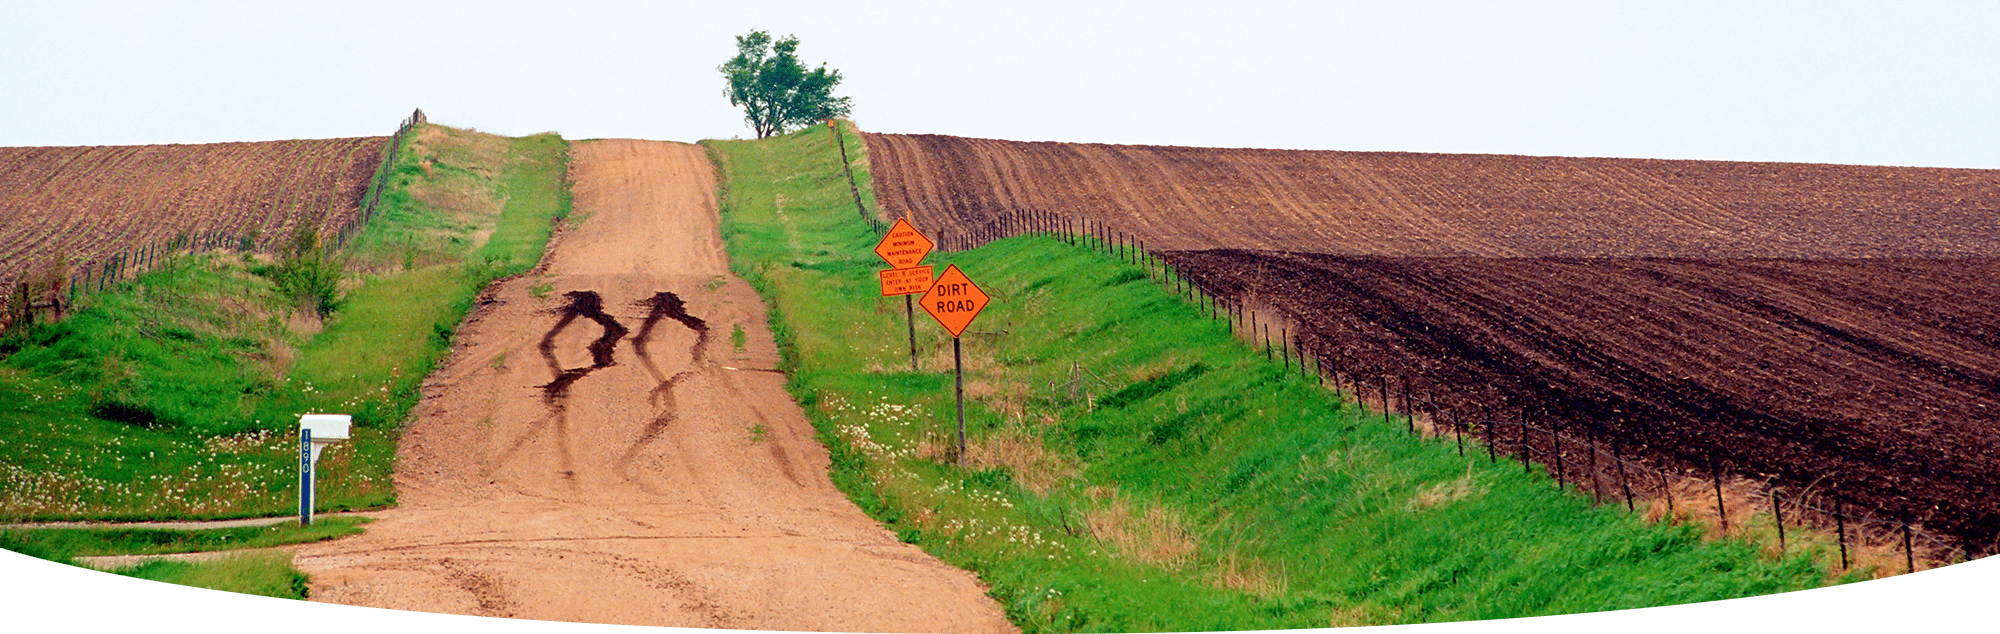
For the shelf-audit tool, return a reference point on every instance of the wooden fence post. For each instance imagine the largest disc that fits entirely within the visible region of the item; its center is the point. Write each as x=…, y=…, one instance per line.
x=1668, y=487
x=1622, y=482
x=1524, y=448
x=1840, y=531
x=1556, y=440
x=1283, y=350
x=1409, y=410
x=1909, y=556
x=1492, y=454
x=1595, y=498
x=1778, y=513
x=1385, y=398
x=1720, y=512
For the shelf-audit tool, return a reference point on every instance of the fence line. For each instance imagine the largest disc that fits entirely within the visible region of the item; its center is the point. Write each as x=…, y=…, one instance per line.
x=1635, y=479
x=371, y=199
x=847, y=167
x=28, y=302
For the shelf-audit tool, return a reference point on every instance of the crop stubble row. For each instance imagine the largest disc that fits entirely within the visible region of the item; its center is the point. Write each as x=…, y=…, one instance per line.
x=1823, y=327
x=89, y=201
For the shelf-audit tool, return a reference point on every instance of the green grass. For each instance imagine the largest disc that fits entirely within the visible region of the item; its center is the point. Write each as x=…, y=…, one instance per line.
x=89, y=542
x=266, y=573
x=1135, y=468
x=175, y=396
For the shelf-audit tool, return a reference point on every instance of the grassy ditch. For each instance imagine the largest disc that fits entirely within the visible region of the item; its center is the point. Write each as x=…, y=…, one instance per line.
x=1132, y=467
x=96, y=542
x=173, y=396
x=262, y=572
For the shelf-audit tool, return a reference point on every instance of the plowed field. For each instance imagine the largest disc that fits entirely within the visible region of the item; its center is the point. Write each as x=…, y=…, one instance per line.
x=1402, y=204
x=1876, y=380
x=82, y=202
x=1824, y=327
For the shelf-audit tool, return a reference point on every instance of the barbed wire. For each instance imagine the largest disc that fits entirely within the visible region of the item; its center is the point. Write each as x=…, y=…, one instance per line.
x=82, y=277
x=1212, y=304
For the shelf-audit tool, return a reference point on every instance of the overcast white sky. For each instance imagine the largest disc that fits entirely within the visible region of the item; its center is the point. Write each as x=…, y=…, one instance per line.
x=1832, y=82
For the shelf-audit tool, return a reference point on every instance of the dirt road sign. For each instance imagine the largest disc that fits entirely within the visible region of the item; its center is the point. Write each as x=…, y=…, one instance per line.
x=954, y=301
x=910, y=281
x=904, y=247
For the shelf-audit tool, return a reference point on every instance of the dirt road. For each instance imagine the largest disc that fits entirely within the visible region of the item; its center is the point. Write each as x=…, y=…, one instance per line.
x=601, y=449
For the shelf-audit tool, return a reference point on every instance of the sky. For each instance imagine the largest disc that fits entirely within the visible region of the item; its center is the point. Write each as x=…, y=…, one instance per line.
x=1872, y=83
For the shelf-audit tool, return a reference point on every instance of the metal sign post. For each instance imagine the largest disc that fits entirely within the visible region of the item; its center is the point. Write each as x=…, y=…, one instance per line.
x=954, y=301
x=903, y=248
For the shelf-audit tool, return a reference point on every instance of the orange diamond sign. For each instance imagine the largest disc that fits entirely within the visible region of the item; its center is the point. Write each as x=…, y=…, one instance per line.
x=904, y=247
x=954, y=300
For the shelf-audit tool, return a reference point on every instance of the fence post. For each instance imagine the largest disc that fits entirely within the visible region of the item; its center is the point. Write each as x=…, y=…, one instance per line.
x=1720, y=512
x=1595, y=498
x=1668, y=487
x=1840, y=531
x=1524, y=448
x=1437, y=418
x=1409, y=410
x=1778, y=512
x=1385, y=398
x=1492, y=454
x=1909, y=556
x=1556, y=440
x=1622, y=482
x=1283, y=351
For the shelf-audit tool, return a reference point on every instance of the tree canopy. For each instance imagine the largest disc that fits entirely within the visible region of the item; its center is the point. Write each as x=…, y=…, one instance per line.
x=774, y=88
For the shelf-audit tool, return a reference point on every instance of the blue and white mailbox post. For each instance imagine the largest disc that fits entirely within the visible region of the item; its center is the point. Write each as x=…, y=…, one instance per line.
x=316, y=431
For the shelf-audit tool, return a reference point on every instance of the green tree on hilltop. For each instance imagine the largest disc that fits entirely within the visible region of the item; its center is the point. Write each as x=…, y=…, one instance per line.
x=774, y=88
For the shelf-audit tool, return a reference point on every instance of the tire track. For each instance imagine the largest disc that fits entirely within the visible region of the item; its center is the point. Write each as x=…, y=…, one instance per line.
x=632, y=490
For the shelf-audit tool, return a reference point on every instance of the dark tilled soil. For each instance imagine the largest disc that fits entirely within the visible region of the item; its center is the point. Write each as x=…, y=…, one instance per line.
x=91, y=202
x=1828, y=328
x=1409, y=204
x=1876, y=380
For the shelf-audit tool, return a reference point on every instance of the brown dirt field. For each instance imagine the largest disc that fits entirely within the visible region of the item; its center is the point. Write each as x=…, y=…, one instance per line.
x=1406, y=204
x=1877, y=380
x=85, y=202
x=1828, y=329
x=603, y=454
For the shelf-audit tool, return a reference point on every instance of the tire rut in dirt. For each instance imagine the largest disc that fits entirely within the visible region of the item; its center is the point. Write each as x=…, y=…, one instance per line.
x=664, y=305
x=555, y=394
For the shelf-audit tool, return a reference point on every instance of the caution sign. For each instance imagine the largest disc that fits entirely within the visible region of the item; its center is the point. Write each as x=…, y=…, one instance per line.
x=904, y=247
x=910, y=281
x=954, y=300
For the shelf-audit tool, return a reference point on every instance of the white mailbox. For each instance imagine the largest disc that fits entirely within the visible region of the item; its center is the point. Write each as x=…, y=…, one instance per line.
x=316, y=431
x=327, y=427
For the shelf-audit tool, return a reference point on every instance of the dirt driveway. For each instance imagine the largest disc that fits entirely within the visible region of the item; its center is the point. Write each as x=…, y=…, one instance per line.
x=601, y=449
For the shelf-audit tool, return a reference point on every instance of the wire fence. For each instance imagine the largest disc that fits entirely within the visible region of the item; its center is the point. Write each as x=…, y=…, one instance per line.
x=58, y=290
x=847, y=167
x=1588, y=464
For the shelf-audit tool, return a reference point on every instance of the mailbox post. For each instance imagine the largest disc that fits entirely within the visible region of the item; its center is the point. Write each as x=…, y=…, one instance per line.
x=316, y=431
